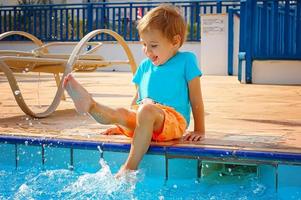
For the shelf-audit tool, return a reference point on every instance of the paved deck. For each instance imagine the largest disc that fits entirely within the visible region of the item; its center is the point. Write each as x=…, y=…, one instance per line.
x=238, y=116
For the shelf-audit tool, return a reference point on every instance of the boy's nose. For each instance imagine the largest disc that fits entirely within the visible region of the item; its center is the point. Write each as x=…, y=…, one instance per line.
x=147, y=51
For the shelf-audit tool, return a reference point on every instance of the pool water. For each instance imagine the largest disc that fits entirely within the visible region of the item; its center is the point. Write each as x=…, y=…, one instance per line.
x=92, y=177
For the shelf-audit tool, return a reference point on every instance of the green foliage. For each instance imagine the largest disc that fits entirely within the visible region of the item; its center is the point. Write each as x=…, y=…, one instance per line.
x=194, y=32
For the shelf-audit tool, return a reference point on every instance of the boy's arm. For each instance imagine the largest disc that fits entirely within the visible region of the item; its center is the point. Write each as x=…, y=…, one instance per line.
x=197, y=105
x=134, y=100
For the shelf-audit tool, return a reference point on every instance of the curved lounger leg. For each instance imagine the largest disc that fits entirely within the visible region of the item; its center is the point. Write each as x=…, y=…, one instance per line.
x=34, y=39
x=73, y=57
x=37, y=42
x=18, y=95
x=12, y=80
x=15, y=89
x=77, y=49
x=69, y=67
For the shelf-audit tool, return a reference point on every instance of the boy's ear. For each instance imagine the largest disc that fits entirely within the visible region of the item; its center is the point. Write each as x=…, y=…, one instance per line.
x=176, y=40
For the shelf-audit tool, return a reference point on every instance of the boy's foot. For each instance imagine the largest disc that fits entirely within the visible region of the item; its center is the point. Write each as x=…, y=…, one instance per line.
x=129, y=175
x=122, y=171
x=80, y=96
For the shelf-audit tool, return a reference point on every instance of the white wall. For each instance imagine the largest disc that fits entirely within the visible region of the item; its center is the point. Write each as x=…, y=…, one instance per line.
x=15, y=2
x=110, y=51
x=236, y=44
x=276, y=72
x=264, y=72
x=8, y=2
x=136, y=49
x=214, y=48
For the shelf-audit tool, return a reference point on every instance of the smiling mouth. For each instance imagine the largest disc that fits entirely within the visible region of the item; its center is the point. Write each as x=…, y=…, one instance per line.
x=154, y=59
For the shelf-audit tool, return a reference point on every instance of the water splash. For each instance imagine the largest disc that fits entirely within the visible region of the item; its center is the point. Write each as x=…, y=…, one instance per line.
x=24, y=192
x=259, y=188
x=102, y=185
x=43, y=185
x=99, y=149
x=66, y=184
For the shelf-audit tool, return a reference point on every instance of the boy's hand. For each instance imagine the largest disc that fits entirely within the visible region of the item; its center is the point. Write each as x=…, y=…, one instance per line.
x=193, y=136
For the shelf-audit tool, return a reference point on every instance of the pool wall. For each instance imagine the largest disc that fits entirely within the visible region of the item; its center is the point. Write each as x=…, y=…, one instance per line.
x=165, y=162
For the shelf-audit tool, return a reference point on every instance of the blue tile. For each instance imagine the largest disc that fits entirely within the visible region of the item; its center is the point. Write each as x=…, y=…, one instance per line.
x=86, y=160
x=267, y=175
x=29, y=156
x=289, y=176
x=115, y=159
x=7, y=155
x=182, y=168
x=153, y=165
x=57, y=157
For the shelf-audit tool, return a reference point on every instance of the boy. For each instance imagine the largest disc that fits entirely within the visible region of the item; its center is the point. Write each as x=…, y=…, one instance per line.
x=168, y=86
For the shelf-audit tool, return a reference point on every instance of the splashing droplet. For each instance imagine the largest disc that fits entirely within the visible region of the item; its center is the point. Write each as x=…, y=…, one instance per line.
x=17, y=92
x=99, y=149
x=161, y=197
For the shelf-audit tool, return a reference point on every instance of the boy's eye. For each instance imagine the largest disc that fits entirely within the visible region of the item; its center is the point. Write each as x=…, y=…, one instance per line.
x=154, y=45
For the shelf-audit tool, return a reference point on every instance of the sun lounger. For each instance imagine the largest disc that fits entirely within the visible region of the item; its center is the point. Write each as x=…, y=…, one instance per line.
x=40, y=60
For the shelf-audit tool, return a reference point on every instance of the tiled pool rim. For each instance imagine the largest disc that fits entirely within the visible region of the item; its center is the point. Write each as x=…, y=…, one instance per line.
x=201, y=153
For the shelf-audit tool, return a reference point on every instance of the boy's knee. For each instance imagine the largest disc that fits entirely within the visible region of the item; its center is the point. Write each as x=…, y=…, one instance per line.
x=147, y=111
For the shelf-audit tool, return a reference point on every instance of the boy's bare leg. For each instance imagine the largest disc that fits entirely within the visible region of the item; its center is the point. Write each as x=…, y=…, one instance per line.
x=80, y=96
x=84, y=103
x=149, y=119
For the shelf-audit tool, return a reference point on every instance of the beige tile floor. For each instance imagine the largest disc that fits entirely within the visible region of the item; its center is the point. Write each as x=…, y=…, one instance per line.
x=238, y=116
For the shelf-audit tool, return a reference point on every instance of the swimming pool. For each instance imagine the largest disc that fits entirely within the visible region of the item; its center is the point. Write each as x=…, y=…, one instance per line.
x=35, y=168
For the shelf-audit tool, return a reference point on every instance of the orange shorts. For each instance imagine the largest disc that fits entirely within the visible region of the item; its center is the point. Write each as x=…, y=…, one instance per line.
x=173, y=128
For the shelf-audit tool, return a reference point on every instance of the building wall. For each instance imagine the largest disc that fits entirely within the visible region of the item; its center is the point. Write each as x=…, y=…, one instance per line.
x=276, y=72
x=8, y=2
x=214, y=48
x=109, y=50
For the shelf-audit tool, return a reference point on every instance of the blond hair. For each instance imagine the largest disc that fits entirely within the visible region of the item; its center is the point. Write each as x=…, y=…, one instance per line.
x=165, y=18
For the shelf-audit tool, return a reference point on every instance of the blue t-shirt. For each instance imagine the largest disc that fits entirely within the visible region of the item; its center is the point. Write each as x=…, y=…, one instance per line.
x=167, y=84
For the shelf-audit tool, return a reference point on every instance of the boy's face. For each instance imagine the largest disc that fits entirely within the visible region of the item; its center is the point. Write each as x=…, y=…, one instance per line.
x=157, y=47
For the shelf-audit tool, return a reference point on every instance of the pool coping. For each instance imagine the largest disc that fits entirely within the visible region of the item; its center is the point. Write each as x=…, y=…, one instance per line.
x=201, y=153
